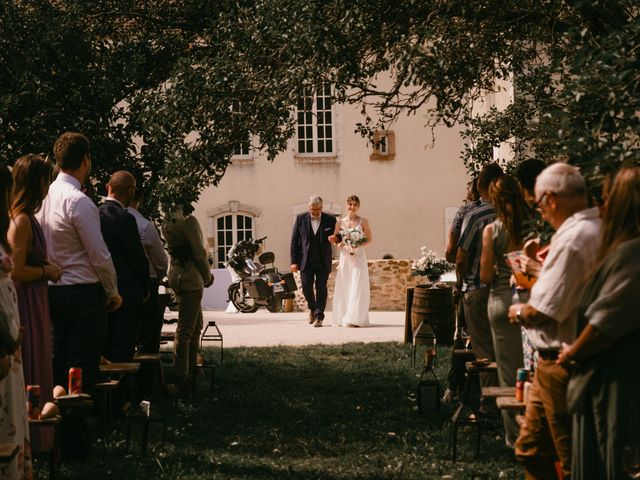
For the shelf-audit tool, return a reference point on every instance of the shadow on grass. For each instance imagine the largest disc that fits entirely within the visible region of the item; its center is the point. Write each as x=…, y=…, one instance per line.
x=318, y=412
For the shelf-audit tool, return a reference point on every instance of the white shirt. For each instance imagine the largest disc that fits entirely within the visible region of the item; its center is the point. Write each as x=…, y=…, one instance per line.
x=315, y=224
x=153, y=248
x=556, y=293
x=71, y=225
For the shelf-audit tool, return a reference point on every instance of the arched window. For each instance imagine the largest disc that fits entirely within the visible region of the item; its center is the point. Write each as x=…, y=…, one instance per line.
x=229, y=229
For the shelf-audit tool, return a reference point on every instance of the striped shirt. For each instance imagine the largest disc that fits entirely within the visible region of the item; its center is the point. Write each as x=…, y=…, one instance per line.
x=471, y=242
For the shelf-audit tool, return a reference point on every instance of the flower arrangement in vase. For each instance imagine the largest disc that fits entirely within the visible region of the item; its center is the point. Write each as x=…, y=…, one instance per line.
x=430, y=265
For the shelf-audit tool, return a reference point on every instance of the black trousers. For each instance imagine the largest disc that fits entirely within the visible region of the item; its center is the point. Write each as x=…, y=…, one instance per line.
x=152, y=317
x=123, y=332
x=79, y=324
x=316, y=298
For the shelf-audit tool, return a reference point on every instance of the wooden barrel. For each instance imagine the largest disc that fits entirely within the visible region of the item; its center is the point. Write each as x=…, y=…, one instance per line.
x=434, y=307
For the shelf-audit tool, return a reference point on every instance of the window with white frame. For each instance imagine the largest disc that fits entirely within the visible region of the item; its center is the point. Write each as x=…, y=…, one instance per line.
x=315, y=122
x=229, y=229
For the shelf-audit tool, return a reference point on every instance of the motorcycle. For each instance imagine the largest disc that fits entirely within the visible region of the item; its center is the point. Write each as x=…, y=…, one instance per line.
x=259, y=284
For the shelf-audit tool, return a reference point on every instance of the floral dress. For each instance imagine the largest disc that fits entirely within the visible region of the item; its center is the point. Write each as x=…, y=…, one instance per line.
x=14, y=426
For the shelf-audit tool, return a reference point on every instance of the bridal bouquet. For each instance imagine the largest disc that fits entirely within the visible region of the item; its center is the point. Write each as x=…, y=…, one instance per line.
x=430, y=265
x=353, y=238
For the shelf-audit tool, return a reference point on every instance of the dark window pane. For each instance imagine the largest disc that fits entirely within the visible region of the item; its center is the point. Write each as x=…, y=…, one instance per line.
x=300, y=132
x=320, y=146
x=329, y=146
x=309, y=118
x=320, y=130
x=247, y=222
x=300, y=117
x=301, y=146
x=240, y=222
x=221, y=254
x=301, y=103
x=328, y=132
x=240, y=236
x=320, y=103
x=309, y=146
x=327, y=103
x=227, y=222
x=220, y=223
x=228, y=238
x=220, y=237
x=309, y=132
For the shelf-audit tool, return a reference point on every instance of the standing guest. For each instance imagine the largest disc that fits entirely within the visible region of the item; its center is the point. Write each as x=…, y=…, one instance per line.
x=77, y=303
x=604, y=392
x=13, y=414
x=475, y=294
x=351, y=294
x=152, y=317
x=120, y=233
x=550, y=317
x=504, y=234
x=526, y=172
x=472, y=201
x=31, y=270
x=189, y=275
x=311, y=255
x=158, y=266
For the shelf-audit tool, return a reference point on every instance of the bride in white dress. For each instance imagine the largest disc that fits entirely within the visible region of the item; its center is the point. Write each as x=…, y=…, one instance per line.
x=351, y=294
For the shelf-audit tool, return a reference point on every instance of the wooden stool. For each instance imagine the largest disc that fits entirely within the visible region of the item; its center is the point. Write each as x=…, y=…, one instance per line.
x=106, y=389
x=8, y=451
x=137, y=416
x=153, y=359
x=213, y=337
x=54, y=453
x=510, y=403
x=203, y=366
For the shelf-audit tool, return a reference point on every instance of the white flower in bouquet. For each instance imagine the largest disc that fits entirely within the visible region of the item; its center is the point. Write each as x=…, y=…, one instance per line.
x=430, y=264
x=353, y=238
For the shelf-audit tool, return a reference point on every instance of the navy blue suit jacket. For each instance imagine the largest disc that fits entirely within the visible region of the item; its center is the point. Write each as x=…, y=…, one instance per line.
x=120, y=233
x=301, y=239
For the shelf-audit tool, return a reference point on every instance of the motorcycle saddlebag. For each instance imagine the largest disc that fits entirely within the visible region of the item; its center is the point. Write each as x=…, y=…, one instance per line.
x=258, y=288
x=289, y=282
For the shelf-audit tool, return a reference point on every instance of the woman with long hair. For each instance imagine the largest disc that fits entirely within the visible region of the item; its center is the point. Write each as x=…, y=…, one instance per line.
x=13, y=416
x=504, y=235
x=604, y=391
x=31, y=272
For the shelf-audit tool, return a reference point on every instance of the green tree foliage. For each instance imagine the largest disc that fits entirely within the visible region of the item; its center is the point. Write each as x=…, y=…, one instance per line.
x=191, y=80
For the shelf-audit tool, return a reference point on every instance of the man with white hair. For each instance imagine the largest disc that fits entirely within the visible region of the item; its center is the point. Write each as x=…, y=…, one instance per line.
x=311, y=255
x=551, y=314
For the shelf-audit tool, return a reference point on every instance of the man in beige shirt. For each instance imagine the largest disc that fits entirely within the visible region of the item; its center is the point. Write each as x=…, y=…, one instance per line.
x=551, y=314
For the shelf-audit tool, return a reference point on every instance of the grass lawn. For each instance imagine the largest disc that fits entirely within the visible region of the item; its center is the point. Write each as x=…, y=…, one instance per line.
x=320, y=412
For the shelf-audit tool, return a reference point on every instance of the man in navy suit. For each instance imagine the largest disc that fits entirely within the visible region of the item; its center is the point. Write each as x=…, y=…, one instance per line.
x=120, y=233
x=311, y=255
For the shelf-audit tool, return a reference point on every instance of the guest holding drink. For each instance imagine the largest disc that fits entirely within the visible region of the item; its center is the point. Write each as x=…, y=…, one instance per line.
x=604, y=391
x=31, y=271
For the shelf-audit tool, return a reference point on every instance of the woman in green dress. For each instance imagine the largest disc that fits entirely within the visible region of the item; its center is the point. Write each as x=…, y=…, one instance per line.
x=604, y=391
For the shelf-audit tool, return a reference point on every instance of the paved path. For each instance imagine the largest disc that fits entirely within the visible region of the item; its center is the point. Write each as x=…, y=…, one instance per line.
x=262, y=329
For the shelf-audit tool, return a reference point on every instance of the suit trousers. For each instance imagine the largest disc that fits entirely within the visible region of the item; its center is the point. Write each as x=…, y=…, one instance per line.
x=316, y=298
x=188, y=332
x=79, y=324
x=546, y=434
x=475, y=304
x=123, y=331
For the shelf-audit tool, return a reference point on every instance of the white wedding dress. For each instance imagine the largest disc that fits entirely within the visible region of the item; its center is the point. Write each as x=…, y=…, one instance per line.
x=351, y=295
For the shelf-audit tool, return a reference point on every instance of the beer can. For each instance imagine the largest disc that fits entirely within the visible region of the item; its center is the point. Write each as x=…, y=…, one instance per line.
x=522, y=375
x=33, y=401
x=520, y=390
x=75, y=381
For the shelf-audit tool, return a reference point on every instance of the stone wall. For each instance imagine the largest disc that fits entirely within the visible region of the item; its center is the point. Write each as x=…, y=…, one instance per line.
x=389, y=280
